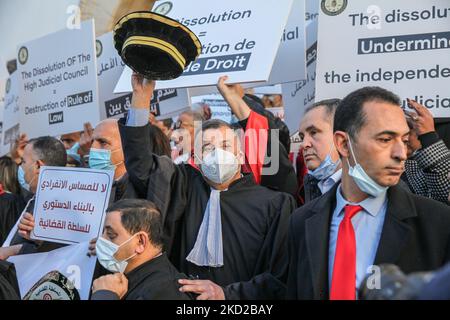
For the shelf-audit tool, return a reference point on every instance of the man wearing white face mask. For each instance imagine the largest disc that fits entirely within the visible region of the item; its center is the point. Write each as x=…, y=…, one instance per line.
x=131, y=248
x=219, y=225
x=321, y=157
x=367, y=219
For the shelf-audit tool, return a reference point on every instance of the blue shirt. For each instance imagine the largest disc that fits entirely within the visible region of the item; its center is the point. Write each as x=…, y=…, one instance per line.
x=137, y=117
x=368, y=224
x=328, y=183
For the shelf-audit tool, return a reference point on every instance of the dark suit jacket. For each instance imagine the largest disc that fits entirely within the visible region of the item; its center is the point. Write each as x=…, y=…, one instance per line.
x=415, y=236
x=156, y=279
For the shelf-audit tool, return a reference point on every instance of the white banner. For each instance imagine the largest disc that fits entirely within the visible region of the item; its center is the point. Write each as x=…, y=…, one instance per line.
x=290, y=63
x=68, y=272
x=297, y=96
x=219, y=107
x=10, y=130
x=70, y=204
x=239, y=38
x=403, y=46
x=58, y=82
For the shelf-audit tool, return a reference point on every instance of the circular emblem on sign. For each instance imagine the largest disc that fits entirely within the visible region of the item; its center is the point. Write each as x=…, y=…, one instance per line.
x=23, y=55
x=164, y=8
x=8, y=85
x=53, y=286
x=333, y=7
x=98, y=48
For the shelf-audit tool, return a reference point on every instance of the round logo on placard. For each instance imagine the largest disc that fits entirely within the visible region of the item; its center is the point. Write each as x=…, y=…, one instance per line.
x=164, y=8
x=23, y=55
x=333, y=7
x=98, y=48
x=8, y=86
x=53, y=286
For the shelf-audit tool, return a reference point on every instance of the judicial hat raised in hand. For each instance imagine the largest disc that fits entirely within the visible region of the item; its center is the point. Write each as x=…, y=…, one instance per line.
x=154, y=45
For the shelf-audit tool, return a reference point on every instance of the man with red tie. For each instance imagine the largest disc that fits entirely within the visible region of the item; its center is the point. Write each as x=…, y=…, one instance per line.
x=367, y=219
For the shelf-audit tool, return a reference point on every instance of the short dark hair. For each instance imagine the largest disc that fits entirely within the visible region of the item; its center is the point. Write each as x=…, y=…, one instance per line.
x=160, y=142
x=329, y=104
x=168, y=123
x=215, y=124
x=350, y=115
x=140, y=215
x=49, y=150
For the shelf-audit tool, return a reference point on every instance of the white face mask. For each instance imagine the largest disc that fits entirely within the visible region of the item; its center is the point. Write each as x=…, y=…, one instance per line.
x=106, y=250
x=326, y=168
x=364, y=182
x=219, y=166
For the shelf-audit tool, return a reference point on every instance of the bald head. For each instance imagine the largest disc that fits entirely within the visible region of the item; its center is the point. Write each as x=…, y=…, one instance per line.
x=106, y=136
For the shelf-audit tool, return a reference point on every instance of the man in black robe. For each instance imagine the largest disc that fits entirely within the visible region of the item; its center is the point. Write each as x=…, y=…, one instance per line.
x=218, y=223
x=267, y=140
x=141, y=271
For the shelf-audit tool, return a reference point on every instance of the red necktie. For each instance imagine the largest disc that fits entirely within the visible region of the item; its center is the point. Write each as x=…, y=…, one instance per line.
x=343, y=284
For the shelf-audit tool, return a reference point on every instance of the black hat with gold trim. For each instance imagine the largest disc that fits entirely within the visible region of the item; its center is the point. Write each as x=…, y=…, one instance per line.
x=154, y=45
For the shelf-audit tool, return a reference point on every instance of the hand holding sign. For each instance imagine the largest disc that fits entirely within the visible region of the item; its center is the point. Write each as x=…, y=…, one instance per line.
x=86, y=139
x=233, y=93
x=26, y=225
x=423, y=120
x=142, y=91
x=18, y=148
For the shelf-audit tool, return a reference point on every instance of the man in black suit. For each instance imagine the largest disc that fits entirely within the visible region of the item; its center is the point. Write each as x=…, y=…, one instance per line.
x=366, y=220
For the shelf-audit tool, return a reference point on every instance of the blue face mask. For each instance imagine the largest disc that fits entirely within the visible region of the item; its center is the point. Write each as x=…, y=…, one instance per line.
x=73, y=152
x=21, y=178
x=326, y=168
x=100, y=159
x=365, y=183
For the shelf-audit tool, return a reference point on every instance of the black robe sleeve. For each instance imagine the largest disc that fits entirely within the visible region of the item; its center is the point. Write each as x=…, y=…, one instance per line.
x=10, y=209
x=156, y=178
x=271, y=269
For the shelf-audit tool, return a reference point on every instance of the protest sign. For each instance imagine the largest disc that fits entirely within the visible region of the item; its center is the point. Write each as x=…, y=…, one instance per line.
x=61, y=274
x=219, y=107
x=239, y=38
x=289, y=63
x=10, y=130
x=110, y=67
x=278, y=112
x=58, y=82
x=275, y=89
x=403, y=46
x=70, y=204
x=297, y=96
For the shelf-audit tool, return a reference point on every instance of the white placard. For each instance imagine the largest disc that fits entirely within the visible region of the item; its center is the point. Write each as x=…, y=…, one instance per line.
x=10, y=130
x=290, y=63
x=58, y=82
x=239, y=38
x=110, y=68
x=277, y=112
x=71, y=261
x=219, y=107
x=299, y=95
x=403, y=46
x=70, y=204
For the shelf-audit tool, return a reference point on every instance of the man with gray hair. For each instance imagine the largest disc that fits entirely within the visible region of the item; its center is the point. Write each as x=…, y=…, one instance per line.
x=183, y=135
x=219, y=225
x=43, y=151
x=321, y=157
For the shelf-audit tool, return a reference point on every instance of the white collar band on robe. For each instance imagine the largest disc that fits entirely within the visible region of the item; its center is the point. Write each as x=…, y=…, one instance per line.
x=208, y=248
